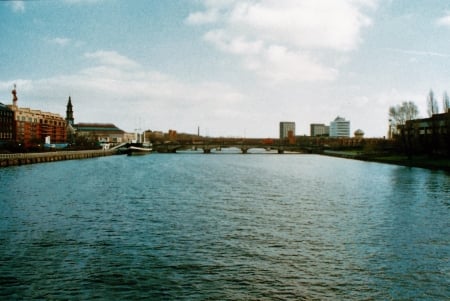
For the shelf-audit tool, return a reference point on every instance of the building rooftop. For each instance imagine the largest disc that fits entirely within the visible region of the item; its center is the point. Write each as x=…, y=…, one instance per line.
x=339, y=118
x=97, y=127
x=4, y=107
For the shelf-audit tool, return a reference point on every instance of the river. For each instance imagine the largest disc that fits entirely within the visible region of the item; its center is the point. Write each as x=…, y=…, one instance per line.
x=224, y=226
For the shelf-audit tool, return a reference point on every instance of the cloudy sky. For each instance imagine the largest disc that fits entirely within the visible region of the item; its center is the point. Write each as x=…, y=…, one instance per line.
x=232, y=67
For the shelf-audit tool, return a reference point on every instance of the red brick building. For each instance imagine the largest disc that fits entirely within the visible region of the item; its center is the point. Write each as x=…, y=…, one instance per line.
x=34, y=127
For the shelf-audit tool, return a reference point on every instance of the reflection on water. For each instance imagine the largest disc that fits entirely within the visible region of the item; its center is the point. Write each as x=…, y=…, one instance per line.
x=224, y=227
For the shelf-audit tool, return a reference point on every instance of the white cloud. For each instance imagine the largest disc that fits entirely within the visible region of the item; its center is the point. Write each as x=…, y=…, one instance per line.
x=59, y=41
x=17, y=6
x=312, y=24
x=82, y=1
x=273, y=62
x=420, y=53
x=280, y=64
x=239, y=45
x=444, y=20
x=209, y=16
x=331, y=24
x=111, y=58
x=111, y=91
x=286, y=37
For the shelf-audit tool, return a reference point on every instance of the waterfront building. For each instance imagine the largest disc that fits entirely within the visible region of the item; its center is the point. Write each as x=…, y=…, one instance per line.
x=7, y=128
x=359, y=134
x=429, y=134
x=35, y=127
x=440, y=123
x=319, y=129
x=101, y=132
x=340, y=127
x=287, y=129
x=128, y=137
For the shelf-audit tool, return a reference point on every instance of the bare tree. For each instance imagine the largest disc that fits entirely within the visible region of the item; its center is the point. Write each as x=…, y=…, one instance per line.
x=446, y=131
x=445, y=102
x=399, y=115
x=433, y=107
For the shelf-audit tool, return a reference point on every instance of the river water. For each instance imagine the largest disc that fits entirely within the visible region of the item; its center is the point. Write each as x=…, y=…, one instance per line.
x=190, y=226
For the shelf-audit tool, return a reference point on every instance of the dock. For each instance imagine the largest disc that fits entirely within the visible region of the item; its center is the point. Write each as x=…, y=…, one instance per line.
x=32, y=158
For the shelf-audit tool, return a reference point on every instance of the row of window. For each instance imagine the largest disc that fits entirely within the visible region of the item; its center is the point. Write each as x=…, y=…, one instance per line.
x=5, y=135
x=5, y=120
x=35, y=120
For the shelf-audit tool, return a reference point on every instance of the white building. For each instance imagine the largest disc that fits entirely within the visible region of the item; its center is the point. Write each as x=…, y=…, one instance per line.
x=287, y=129
x=340, y=127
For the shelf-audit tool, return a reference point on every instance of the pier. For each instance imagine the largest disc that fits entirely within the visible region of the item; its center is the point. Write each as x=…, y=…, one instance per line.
x=31, y=158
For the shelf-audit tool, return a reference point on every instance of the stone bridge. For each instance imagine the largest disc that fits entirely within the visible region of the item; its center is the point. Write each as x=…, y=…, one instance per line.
x=301, y=144
x=244, y=144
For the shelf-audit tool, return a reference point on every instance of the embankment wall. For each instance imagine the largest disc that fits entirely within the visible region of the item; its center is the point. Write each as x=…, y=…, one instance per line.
x=32, y=158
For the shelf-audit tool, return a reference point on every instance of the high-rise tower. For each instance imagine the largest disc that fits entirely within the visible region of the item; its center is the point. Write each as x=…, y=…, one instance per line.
x=69, y=113
x=287, y=129
x=340, y=127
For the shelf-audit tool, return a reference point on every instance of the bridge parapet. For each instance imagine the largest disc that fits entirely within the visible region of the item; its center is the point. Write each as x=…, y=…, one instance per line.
x=301, y=144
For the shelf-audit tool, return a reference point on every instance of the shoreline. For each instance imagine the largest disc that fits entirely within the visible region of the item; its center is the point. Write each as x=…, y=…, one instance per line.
x=19, y=159
x=7, y=160
x=395, y=159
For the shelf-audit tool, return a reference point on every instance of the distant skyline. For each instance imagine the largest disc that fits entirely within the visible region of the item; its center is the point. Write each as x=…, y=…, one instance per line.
x=231, y=67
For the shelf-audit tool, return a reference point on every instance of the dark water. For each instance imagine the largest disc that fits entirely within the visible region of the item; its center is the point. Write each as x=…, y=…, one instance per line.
x=224, y=227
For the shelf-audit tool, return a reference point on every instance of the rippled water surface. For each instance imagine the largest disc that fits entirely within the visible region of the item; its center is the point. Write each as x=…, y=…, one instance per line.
x=224, y=227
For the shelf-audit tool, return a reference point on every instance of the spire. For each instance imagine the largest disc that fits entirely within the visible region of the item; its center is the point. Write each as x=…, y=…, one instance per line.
x=69, y=112
x=14, y=93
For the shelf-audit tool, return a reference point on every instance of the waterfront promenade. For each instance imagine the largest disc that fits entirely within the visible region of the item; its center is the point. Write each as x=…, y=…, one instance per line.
x=31, y=158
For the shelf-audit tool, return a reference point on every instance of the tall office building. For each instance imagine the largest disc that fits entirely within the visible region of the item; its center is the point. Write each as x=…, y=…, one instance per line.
x=287, y=129
x=340, y=127
x=319, y=129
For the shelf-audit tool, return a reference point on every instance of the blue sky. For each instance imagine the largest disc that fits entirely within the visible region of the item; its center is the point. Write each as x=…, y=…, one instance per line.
x=233, y=68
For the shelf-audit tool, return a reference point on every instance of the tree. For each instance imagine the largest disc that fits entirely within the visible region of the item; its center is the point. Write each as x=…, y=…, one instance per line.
x=445, y=102
x=433, y=107
x=446, y=131
x=399, y=115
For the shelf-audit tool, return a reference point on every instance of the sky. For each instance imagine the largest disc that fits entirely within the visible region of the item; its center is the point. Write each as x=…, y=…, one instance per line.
x=233, y=68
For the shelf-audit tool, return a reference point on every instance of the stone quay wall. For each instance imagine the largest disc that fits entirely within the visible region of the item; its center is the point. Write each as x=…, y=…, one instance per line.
x=32, y=158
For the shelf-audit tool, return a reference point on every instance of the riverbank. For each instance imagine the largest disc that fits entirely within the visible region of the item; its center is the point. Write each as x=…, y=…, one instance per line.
x=415, y=161
x=32, y=158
